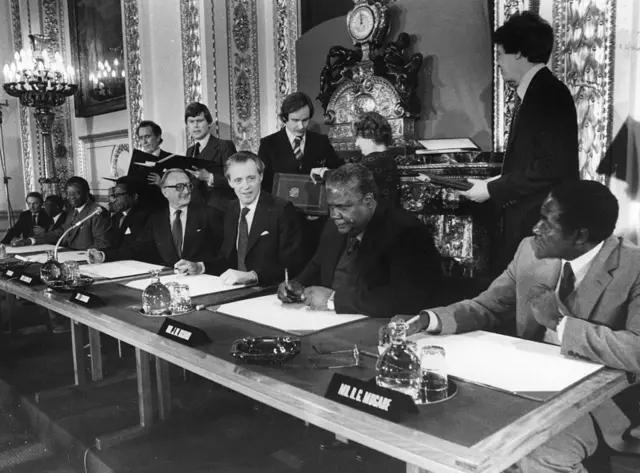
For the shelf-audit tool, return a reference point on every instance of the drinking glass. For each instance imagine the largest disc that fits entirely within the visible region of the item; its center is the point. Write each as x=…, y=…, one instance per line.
x=180, y=298
x=434, y=384
x=71, y=272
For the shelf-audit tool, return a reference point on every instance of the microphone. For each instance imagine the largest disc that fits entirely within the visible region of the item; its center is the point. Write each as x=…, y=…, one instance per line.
x=97, y=211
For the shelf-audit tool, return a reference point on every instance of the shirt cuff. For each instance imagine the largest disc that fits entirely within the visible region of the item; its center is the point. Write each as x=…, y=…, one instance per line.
x=255, y=277
x=434, y=322
x=331, y=303
x=200, y=268
x=560, y=328
x=32, y=240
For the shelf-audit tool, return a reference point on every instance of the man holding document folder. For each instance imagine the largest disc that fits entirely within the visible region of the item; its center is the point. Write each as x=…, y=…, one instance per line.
x=576, y=285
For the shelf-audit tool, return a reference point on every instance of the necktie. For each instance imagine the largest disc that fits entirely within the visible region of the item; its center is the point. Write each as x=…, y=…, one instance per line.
x=196, y=150
x=567, y=282
x=74, y=217
x=243, y=239
x=176, y=232
x=297, y=150
x=121, y=221
x=34, y=219
x=352, y=245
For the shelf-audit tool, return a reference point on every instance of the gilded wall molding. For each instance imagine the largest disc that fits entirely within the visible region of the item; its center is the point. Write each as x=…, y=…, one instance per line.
x=133, y=65
x=243, y=73
x=213, y=82
x=25, y=115
x=287, y=33
x=584, y=61
x=191, y=50
x=54, y=27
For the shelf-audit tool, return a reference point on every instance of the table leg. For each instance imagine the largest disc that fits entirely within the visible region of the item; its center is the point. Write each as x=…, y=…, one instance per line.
x=96, y=355
x=164, y=388
x=77, y=342
x=7, y=314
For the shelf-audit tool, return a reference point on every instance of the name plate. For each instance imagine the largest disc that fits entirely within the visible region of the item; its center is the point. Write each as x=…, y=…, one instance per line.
x=183, y=333
x=367, y=396
x=27, y=280
x=86, y=299
x=11, y=273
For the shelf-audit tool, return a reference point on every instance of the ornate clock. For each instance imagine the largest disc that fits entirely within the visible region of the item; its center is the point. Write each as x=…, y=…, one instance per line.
x=367, y=24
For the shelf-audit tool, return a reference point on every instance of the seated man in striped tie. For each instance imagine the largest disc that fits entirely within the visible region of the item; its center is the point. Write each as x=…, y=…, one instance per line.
x=576, y=285
x=373, y=258
x=183, y=235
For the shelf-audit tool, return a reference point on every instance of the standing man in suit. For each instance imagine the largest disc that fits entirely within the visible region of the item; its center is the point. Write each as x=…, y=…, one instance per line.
x=150, y=138
x=94, y=233
x=542, y=149
x=213, y=188
x=294, y=149
x=54, y=206
x=183, y=235
x=32, y=221
x=373, y=259
x=573, y=284
x=129, y=219
x=262, y=236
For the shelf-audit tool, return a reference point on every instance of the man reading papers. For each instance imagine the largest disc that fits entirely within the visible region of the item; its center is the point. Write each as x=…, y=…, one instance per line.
x=262, y=235
x=372, y=259
x=183, y=234
x=573, y=284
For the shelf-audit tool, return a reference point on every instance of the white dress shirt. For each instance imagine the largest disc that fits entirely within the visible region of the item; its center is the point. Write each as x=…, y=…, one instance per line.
x=526, y=80
x=203, y=142
x=292, y=138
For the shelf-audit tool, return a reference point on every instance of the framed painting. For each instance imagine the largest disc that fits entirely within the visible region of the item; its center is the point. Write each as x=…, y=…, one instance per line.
x=97, y=48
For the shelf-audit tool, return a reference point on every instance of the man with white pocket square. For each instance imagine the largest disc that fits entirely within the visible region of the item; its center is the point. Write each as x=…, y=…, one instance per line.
x=262, y=234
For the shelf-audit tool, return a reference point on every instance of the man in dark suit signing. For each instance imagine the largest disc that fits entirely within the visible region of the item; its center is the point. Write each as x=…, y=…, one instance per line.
x=32, y=221
x=542, y=149
x=575, y=285
x=94, y=233
x=294, y=149
x=183, y=235
x=373, y=259
x=262, y=236
x=213, y=188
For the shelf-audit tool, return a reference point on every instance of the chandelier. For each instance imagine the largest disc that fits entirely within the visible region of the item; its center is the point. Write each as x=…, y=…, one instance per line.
x=41, y=81
x=108, y=81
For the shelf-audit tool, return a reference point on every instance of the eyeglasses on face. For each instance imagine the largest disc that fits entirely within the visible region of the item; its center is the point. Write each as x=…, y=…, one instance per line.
x=180, y=187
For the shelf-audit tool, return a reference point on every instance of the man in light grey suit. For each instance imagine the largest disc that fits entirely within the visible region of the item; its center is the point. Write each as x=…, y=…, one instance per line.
x=576, y=285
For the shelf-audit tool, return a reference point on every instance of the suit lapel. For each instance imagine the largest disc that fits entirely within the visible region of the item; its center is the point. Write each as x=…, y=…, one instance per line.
x=260, y=221
x=585, y=297
x=165, y=234
x=191, y=230
x=211, y=150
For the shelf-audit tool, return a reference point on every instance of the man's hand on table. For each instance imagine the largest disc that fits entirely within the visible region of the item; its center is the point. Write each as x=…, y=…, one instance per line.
x=23, y=242
x=544, y=306
x=188, y=267
x=95, y=256
x=290, y=292
x=231, y=277
x=317, y=297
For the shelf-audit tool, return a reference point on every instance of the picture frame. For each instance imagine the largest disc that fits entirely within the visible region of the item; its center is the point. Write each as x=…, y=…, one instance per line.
x=96, y=35
x=302, y=192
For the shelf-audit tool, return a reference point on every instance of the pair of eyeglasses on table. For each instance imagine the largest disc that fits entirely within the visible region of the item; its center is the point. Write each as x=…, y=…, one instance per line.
x=336, y=359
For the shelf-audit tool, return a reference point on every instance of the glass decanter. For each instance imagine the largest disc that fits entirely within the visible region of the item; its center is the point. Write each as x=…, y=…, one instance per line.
x=51, y=271
x=398, y=368
x=156, y=298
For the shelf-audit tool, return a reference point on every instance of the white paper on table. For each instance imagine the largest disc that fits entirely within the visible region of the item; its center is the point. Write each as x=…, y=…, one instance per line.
x=199, y=285
x=118, y=269
x=447, y=144
x=512, y=364
x=63, y=257
x=13, y=250
x=293, y=318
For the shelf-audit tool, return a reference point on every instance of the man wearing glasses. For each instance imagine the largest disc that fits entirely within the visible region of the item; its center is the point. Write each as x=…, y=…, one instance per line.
x=182, y=235
x=128, y=219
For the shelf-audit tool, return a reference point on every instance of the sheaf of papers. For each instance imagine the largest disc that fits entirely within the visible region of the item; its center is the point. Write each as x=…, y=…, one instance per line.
x=118, y=269
x=63, y=257
x=29, y=249
x=447, y=145
x=147, y=164
x=296, y=319
x=198, y=285
x=508, y=363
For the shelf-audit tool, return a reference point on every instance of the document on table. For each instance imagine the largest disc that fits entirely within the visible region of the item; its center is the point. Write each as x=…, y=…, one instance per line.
x=296, y=319
x=199, y=285
x=513, y=364
x=11, y=250
x=63, y=257
x=118, y=269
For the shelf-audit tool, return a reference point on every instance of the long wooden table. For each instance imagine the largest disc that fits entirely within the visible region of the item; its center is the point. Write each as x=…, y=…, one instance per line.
x=479, y=430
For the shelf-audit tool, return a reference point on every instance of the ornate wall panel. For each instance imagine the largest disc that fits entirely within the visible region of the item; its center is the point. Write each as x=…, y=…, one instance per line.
x=583, y=59
x=243, y=74
x=103, y=155
x=132, y=63
x=25, y=116
x=191, y=61
x=287, y=32
x=54, y=27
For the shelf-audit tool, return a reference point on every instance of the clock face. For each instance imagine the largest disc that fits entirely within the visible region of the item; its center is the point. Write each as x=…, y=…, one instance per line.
x=362, y=22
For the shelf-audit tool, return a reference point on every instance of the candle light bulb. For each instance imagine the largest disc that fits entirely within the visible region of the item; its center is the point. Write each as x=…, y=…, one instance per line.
x=100, y=65
x=107, y=66
x=123, y=73
x=16, y=56
x=113, y=73
x=115, y=62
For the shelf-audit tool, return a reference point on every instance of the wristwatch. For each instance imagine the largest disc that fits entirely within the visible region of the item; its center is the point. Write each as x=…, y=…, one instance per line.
x=331, y=305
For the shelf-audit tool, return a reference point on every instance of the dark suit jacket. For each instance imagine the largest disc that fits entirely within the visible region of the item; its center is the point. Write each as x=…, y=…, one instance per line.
x=397, y=268
x=277, y=155
x=24, y=226
x=202, y=238
x=58, y=223
x=220, y=194
x=541, y=153
x=94, y=233
x=605, y=311
x=131, y=229
x=275, y=240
